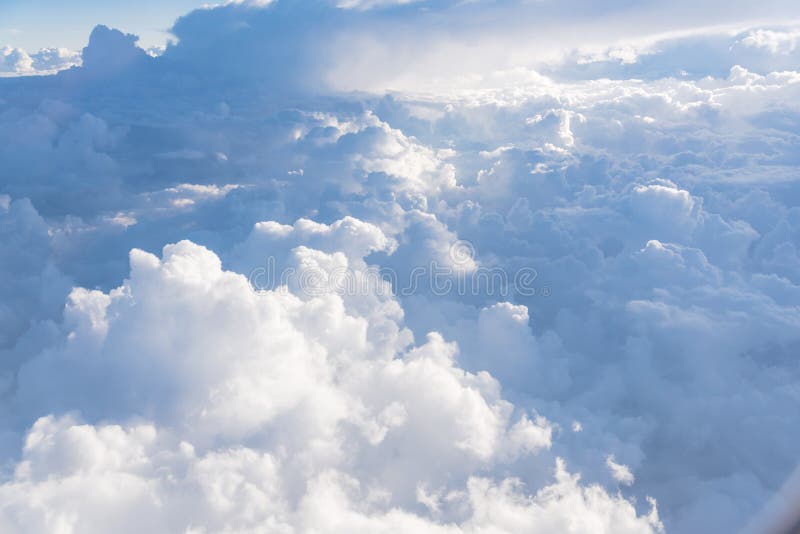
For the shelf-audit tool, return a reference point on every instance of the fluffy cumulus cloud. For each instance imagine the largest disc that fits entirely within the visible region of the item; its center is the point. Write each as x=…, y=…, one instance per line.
x=300, y=274
x=18, y=62
x=276, y=413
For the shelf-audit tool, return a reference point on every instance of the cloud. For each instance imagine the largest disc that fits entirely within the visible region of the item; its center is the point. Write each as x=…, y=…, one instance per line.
x=339, y=398
x=156, y=367
x=18, y=62
x=110, y=51
x=620, y=472
x=121, y=478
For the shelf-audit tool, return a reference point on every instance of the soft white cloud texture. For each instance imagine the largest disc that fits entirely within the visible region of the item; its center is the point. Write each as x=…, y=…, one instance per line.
x=16, y=61
x=217, y=304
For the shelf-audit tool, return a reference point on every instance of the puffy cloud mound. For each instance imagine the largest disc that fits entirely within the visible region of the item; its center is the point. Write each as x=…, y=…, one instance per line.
x=526, y=294
x=111, y=51
x=77, y=477
x=18, y=62
x=271, y=413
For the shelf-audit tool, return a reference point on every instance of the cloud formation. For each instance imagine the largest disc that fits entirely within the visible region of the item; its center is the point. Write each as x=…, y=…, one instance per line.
x=158, y=373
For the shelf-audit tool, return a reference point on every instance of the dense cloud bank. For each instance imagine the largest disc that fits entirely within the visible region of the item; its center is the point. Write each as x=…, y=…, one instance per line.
x=571, y=298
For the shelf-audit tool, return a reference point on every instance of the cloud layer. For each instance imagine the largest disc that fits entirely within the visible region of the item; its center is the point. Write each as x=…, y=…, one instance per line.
x=556, y=296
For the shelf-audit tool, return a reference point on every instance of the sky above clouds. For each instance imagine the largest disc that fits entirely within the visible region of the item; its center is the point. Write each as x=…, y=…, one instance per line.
x=383, y=266
x=35, y=24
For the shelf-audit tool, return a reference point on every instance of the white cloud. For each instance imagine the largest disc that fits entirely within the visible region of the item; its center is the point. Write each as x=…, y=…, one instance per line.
x=776, y=42
x=94, y=479
x=222, y=364
x=18, y=62
x=647, y=184
x=620, y=472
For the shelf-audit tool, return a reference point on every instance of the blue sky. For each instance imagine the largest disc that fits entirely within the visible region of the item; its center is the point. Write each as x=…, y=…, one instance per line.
x=34, y=24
